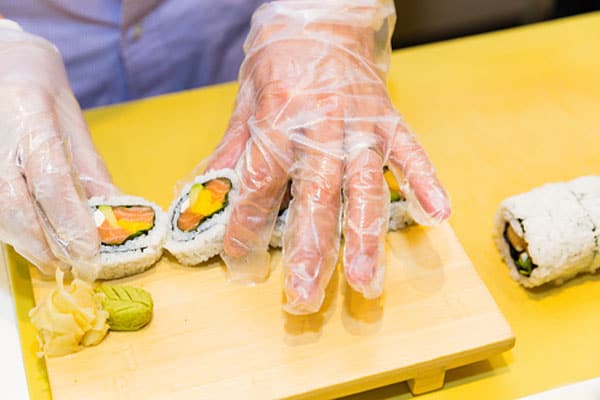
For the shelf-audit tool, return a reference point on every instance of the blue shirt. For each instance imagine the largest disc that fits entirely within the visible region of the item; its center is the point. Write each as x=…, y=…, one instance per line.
x=118, y=50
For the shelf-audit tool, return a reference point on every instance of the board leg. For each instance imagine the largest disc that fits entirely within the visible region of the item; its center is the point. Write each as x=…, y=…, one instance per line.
x=427, y=381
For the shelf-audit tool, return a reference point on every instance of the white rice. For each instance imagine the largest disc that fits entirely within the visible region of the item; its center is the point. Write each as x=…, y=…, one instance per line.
x=277, y=236
x=399, y=216
x=137, y=254
x=560, y=223
x=194, y=247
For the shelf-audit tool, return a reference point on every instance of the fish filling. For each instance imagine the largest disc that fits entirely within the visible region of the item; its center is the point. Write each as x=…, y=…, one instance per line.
x=518, y=251
x=395, y=192
x=204, y=200
x=118, y=224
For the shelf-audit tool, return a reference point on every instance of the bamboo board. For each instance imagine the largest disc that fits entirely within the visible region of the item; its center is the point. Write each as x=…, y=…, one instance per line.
x=212, y=339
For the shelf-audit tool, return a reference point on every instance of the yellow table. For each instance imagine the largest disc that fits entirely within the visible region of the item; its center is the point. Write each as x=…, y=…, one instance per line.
x=499, y=114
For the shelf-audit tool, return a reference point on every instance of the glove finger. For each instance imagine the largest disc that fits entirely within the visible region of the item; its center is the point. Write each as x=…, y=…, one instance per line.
x=312, y=235
x=262, y=185
x=19, y=225
x=263, y=180
x=90, y=167
x=366, y=211
x=428, y=202
x=64, y=215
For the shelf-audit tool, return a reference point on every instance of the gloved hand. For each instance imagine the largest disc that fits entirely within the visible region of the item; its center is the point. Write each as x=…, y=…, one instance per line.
x=313, y=108
x=47, y=159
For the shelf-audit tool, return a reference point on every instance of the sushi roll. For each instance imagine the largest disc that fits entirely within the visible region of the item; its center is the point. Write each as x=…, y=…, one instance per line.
x=132, y=231
x=399, y=215
x=551, y=233
x=199, y=215
x=277, y=235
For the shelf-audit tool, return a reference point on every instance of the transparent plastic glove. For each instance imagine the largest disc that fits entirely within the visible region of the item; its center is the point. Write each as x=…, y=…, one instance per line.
x=313, y=108
x=48, y=161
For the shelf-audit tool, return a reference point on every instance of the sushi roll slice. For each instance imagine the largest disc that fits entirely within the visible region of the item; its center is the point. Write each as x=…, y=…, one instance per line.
x=132, y=231
x=399, y=215
x=551, y=233
x=277, y=235
x=199, y=215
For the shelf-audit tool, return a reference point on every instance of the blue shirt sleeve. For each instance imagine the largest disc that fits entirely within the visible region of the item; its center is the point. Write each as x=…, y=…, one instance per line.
x=120, y=50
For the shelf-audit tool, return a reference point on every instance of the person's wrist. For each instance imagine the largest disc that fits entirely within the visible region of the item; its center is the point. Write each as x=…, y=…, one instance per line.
x=347, y=19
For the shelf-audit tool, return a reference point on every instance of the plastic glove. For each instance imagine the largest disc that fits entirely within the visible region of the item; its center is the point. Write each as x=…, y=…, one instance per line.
x=45, y=153
x=313, y=107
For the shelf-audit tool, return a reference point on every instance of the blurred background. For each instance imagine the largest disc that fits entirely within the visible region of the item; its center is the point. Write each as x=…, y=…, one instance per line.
x=425, y=21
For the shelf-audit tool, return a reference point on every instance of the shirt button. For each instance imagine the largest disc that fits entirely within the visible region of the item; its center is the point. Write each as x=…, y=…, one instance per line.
x=137, y=32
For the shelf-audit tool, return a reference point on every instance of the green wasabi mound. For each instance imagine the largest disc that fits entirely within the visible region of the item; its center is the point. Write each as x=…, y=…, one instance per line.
x=129, y=308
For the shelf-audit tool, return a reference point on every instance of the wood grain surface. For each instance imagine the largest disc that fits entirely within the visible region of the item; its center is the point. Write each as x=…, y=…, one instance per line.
x=213, y=339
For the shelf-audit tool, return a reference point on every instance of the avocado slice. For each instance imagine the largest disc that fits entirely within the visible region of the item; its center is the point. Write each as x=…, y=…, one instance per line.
x=524, y=264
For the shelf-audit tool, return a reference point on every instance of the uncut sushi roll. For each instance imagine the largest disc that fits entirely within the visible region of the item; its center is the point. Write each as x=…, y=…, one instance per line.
x=199, y=215
x=551, y=233
x=132, y=231
x=399, y=215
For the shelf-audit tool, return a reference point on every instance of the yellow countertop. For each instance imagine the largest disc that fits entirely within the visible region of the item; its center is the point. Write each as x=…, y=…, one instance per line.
x=498, y=113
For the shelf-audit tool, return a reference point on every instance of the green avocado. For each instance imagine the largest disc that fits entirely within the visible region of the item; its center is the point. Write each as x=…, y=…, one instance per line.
x=129, y=308
x=524, y=264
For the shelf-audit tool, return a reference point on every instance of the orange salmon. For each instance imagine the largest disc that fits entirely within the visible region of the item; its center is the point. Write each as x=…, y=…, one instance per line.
x=137, y=214
x=219, y=188
x=188, y=220
x=112, y=235
x=122, y=223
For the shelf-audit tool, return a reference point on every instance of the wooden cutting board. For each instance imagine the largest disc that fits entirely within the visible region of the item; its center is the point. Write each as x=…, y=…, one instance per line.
x=213, y=339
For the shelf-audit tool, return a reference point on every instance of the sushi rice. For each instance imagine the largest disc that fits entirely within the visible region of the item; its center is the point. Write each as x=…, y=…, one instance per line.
x=399, y=216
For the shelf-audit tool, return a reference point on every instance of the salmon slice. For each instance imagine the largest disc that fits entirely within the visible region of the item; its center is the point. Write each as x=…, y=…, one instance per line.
x=188, y=220
x=218, y=188
x=124, y=222
x=111, y=235
x=134, y=214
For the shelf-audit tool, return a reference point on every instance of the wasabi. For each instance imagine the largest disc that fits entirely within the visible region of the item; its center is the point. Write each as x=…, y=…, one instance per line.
x=129, y=308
